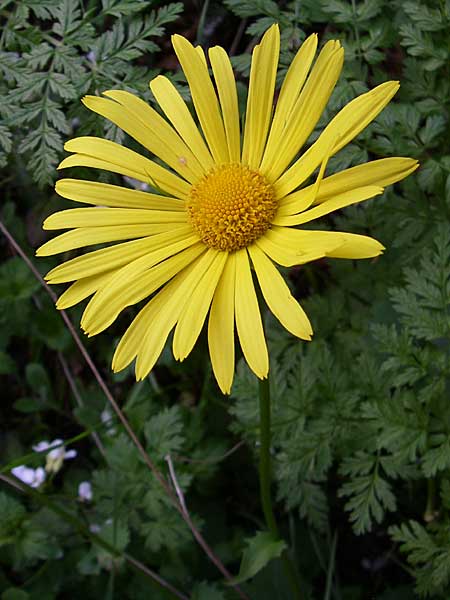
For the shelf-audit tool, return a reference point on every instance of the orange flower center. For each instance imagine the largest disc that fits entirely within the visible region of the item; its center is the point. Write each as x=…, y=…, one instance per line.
x=231, y=207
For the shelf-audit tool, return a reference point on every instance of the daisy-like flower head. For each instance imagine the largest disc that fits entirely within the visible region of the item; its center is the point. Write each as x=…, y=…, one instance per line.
x=223, y=207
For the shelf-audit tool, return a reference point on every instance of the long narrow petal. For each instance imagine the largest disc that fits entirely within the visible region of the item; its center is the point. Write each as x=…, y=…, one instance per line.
x=146, y=126
x=121, y=292
x=194, y=314
x=307, y=110
x=332, y=243
x=248, y=318
x=82, y=289
x=313, y=191
x=289, y=247
x=226, y=87
x=105, y=217
x=260, y=97
x=221, y=327
x=345, y=126
x=278, y=296
x=88, y=236
x=290, y=90
x=105, y=194
x=356, y=246
x=381, y=172
x=186, y=157
x=178, y=114
x=132, y=341
x=334, y=203
x=282, y=256
x=104, y=154
x=115, y=256
x=204, y=97
x=169, y=314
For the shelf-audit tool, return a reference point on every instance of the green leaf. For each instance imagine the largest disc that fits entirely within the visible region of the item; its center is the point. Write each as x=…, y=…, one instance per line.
x=164, y=432
x=16, y=281
x=261, y=549
x=207, y=591
x=28, y=405
x=12, y=514
x=38, y=380
x=15, y=594
x=370, y=493
x=7, y=365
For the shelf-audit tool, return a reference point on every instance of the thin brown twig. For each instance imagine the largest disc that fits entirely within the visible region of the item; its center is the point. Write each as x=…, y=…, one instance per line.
x=79, y=400
x=188, y=520
x=141, y=567
x=23, y=488
x=162, y=481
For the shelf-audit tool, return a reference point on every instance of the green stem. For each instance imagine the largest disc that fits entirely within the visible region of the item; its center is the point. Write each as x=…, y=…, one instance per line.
x=264, y=456
x=265, y=480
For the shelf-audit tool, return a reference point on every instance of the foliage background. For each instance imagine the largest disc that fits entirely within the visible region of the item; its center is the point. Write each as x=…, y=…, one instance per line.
x=361, y=445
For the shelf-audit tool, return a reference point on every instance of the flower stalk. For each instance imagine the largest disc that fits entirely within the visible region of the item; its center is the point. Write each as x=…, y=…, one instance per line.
x=265, y=478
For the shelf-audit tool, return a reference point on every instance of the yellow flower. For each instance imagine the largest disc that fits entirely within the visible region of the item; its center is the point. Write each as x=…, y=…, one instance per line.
x=224, y=207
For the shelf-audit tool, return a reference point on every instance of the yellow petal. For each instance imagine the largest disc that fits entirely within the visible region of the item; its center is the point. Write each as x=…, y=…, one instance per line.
x=248, y=318
x=87, y=236
x=221, y=327
x=345, y=126
x=178, y=114
x=169, y=314
x=115, y=256
x=104, y=154
x=226, y=87
x=123, y=291
x=381, y=172
x=194, y=314
x=82, y=289
x=201, y=53
x=335, y=203
x=306, y=111
x=284, y=257
x=146, y=126
x=131, y=342
x=332, y=243
x=203, y=96
x=356, y=246
x=105, y=194
x=290, y=90
x=105, y=217
x=260, y=97
x=313, y=190
x=278, y=296
x=289, y=247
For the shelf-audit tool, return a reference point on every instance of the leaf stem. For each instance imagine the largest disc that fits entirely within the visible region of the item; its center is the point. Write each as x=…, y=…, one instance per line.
x=265, y=480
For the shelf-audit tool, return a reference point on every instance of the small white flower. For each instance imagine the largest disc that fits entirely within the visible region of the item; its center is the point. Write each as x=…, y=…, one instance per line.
x=56, y=456
x=85, y=491
x=32, y=477
x=94, y=528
